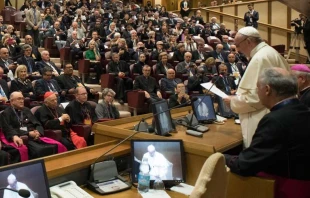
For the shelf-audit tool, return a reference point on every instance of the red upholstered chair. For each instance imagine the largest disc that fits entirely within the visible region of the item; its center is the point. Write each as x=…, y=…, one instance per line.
x=16, y=19
x=132, y=75
x=280, y=49
x=208, y=48
x=65, y=55
x=53, y=134
x=6, y=12
x=136, y=101
x=198, y=39
x=50, y=46
x=183, y=77
x=213, y=41
x=84, y=65
x=232, y=33
x=107, y=80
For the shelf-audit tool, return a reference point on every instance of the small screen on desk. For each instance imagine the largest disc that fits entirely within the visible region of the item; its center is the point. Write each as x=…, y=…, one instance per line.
x=30, y=176
x=163, y=121
x=204, y=109
x=165, y=158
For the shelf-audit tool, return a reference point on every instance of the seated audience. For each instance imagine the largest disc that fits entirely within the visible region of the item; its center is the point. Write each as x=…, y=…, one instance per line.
x=58, y=33
x=226, y=45
x=226, y=83
x=222, y=31
x=28, y=61
x=35, y=54
x=233, y=67
x=159, y=49
x=4, y=92
x=180, y=96
x=186, y=67
x=210, y=67
x=18, y=121
x=51, y=116
x=106, y=109
x=218, y=54
x=200, y=53
x=281, y=141
x=170, y=82
x=190, y=44
x=302, y=72
x=148, y=84
x=162, y=66
x=22, y=83
x=137, y=68
x=76, y=45
x=120, y=70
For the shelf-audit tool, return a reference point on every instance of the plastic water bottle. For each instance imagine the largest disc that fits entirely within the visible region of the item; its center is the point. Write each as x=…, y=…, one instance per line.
x=144, y=176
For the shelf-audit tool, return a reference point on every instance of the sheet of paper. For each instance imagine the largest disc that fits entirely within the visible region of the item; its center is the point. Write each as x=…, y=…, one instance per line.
x=155, y=194
x=183, y=188
x=214, y=89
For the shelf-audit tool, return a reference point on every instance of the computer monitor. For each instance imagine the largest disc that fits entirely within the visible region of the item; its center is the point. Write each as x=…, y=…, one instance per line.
x=165, y=158
x=162, y=121
x=224, y=110
x=29, y=175
x=205, y=111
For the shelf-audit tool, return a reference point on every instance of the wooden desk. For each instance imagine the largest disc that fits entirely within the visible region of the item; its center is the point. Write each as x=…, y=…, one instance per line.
x=219, y=138
x=132, y=193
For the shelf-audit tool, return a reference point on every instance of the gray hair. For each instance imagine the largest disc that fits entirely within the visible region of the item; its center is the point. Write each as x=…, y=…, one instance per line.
x=284, y=85
x=300, y=73
x=105, y=92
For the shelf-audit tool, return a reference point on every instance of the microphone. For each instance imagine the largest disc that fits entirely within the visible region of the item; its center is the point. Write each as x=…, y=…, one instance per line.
x=144, y=127
x=21, y=192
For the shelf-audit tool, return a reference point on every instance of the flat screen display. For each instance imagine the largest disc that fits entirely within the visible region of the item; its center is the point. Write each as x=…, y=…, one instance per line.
x=164, y=157
x=204, y=109
x=163, y=121
x=30, y=176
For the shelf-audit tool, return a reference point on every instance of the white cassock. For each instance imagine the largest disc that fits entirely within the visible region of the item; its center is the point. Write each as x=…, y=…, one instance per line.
x=158, y=165
x=247, y=103
x=203, y=111
x=11, y=194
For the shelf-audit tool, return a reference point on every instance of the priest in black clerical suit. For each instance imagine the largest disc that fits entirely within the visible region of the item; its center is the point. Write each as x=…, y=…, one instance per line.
x=120, y=69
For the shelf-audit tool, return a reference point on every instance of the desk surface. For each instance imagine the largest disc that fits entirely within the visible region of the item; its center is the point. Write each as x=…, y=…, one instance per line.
x=131, y=193
x=219, y=138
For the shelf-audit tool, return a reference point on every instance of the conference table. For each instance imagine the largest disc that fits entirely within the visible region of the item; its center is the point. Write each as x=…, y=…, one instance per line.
x=221, y=137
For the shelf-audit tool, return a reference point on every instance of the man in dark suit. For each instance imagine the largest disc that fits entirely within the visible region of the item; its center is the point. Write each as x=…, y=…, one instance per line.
x=162, y=66
x=184, y=5
x=179, y=97
x=48, y=84
x=43, y=4
x=186, y=67
x=198, y=17
x=251, y=17
x=45, y=62
x=59, y=35
x=69, y=82
x=225, y=83
x=159, y=49
x=178, y=55
x=120, y=69
x=76, y=45
x=148, y=84
x=7, y=64
x=27, y=60
x=200, y=53
x=170, y=82
x=171, y=21
x=35, y=54
x=218, y=54
x=195, y=81
x=281, y=141
x=233, y=67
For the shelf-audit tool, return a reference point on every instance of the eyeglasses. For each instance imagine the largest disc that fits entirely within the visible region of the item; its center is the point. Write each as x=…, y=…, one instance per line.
x=82, y=94
x=19, y=98
x=237, y=45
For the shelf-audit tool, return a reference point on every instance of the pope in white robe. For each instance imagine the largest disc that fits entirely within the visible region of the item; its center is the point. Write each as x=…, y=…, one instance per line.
x=14, y=184
x=246, y=102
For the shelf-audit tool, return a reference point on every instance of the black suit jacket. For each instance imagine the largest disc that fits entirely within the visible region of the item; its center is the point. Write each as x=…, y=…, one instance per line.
x=41, y=86
x=196, y=56
x=216, y=56
x=16, y=85
x=220, y=83
x=41, y=64
x=279, y=146
x=115, y=68
x=160, y=69
x=239, y=66
x=74, y=109
x=146, y=84
x=173, y=101
x=178, y=56
x=5, y=69
x=255, y=18
x=11, y=125
x=67, y=82
x=22, y=61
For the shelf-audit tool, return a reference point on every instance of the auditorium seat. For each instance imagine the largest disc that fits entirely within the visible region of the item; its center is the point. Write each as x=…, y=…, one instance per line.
x=213, y=178
x=6, y=12
x=136, y=101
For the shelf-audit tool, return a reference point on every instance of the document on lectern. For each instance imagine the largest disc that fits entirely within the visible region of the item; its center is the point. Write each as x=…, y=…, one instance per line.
x=214, y=89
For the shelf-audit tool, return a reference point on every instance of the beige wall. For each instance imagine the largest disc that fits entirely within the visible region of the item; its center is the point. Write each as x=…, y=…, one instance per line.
x=278, y=14
x=262, y=9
